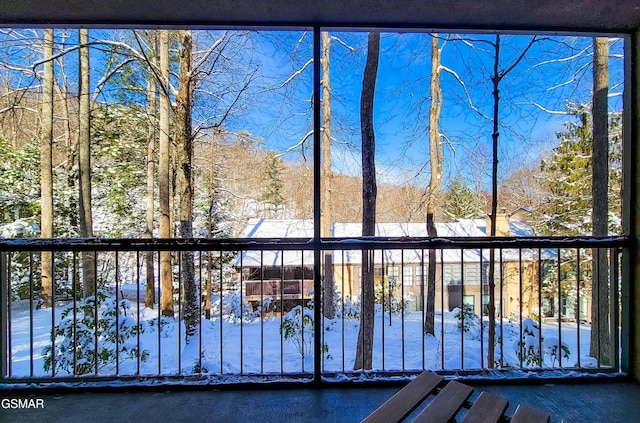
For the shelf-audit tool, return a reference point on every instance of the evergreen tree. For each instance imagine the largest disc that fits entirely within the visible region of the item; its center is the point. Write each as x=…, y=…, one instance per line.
x=460, y=202
x=272, y=195
x=568, y=177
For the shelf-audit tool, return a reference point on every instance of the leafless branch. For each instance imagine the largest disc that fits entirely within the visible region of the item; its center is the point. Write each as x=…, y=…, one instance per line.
x=345, y=45
x=464, y=87
x=301, y=142
x=296, y=73
x=563, y=59
x=107, y=76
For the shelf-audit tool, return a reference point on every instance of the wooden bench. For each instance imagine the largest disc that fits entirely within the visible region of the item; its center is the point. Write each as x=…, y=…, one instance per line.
x=447, y=402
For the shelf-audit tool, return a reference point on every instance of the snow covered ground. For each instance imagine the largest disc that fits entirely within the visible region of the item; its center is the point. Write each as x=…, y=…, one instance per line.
x=232, y=347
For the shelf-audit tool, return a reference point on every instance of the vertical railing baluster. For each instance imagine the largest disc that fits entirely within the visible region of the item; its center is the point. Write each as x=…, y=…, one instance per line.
x=462, y=315
x=402, y=302
x=200, y=301
x=53, y=323
x=4, y=302
x=422, y=269
x=559, y=252
x=159, y=313
x=75, y=309
x=596, y=254
x=117, y=316
x=31, y=314
x=282, y=312
x=302, y=319
x=241, y=318
x=501, y=308
x=221, y=319
x=613, y=307
x=384, y=273
x=481, y=310
x=578, y=304
x=9, y=322
x=262, y=311
x=138, y=325
x=180, y=310
x=342, y=334
x=442, y=310
x=540, y=305
x=96, y=307
x=520, y=277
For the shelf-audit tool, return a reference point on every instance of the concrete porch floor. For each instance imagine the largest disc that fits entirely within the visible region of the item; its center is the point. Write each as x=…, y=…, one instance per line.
x=583, y=402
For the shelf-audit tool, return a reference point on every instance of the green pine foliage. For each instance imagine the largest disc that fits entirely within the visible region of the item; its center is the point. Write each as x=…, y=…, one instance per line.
x=272, y=195
x=460, y=202
x=19, y=181
x=568, y=173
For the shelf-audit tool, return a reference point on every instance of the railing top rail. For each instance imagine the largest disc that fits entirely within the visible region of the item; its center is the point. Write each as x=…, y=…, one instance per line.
x=309, y=244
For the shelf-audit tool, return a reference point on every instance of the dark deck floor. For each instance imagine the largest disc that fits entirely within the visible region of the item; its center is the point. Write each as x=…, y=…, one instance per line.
x=600, y=402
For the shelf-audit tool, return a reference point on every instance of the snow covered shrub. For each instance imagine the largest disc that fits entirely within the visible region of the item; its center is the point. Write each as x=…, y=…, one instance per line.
x=467, y=320
x=297, y=328
x=237, y=309
x=76, y=353
x=350, y=309
x=552, y=348
x=531, y=341
x=387, y=294
x=267, y=306
x=530, y=344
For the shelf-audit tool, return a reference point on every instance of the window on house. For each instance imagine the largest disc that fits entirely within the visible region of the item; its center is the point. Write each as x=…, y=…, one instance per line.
x=407, y=275
x=485, y=305
x=469, y=300
x=451, y=274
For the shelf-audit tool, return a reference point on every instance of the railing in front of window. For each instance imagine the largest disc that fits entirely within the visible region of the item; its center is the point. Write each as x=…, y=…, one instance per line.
x=256, y=301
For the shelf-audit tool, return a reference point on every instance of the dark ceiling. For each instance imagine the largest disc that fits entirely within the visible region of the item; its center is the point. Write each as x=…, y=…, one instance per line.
x=615, y=16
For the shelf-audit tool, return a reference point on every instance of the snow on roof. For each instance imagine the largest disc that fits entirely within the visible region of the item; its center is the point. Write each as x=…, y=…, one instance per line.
x=292, y=228
x=278, y=228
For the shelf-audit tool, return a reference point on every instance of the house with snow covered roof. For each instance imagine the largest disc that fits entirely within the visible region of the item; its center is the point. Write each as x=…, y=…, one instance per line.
x=462, y=276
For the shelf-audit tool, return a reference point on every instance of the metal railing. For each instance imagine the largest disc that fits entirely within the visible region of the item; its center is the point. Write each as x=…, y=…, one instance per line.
x=257, y=301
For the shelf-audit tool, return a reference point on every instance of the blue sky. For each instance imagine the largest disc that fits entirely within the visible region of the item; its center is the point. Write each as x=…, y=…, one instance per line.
x=555, y=71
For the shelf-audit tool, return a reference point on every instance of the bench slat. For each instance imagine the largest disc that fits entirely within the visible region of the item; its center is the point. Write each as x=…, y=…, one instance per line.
x=487, y=408
x=406, y=400
x=526, y=414
x=446, y=404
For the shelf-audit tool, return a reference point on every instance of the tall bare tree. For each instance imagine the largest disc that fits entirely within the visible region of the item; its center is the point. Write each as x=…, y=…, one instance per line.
x=46, y=170
x=166, y=276
x=600, y=343
x=84, y=163
x=184, y=147
x=152, y=135
x=435, y=178
x=327, y=215
x=364, y=348
x=498, y=76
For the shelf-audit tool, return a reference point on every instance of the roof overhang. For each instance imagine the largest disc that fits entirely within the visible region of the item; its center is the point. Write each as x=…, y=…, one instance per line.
x=592, y=16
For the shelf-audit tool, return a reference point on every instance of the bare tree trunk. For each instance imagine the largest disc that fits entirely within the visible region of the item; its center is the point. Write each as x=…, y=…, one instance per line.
x=212, y=204
x=152, y=135
x=600, y=336
x=84, y=164
x=495, y=79
x=166, y=276
x=46, y=171
x=494, y=207
x=71, y=147
x=327, y=215
x=364, y=348
x=184, y=102
x=435, y=159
